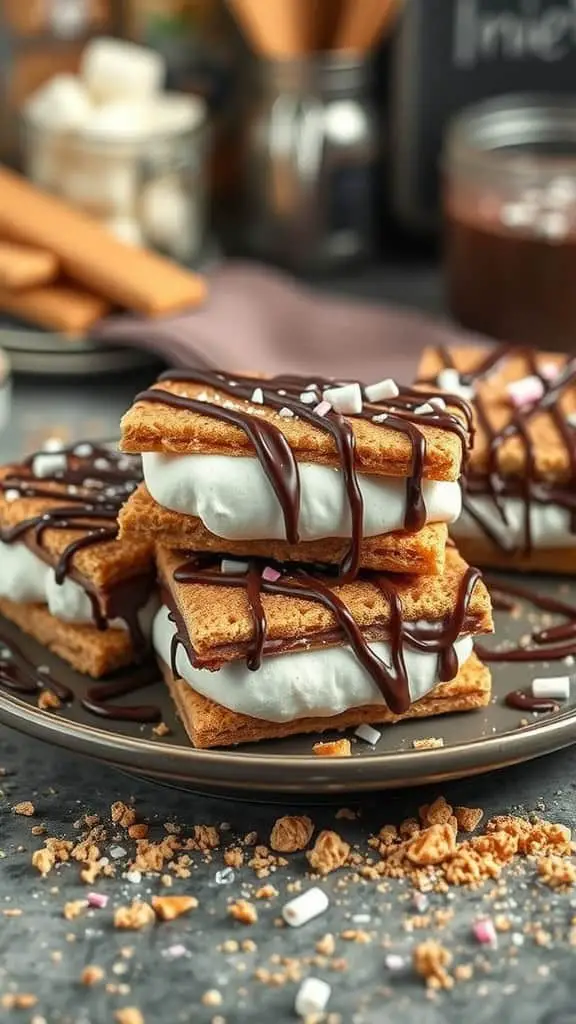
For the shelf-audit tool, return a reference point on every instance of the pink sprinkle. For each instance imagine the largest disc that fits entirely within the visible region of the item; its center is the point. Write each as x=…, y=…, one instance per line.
x=97, y=899
x=270, y=575
x=525, y=391
x=485, y=932
x=322, y=408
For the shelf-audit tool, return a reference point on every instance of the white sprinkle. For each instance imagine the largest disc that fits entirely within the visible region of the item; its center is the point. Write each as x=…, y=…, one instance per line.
x=286, y=413
x=224, y=877
x=12, y=494
x=449, y=380
x=281, y=391
x=133, y=876
x=48, y=465
x=346, y=399
x=525, y=391
x=116, y=852
x=420, y=901
x=380, y=417
x=394, y=962
x=322, y=408
x=53, y=444
x=561, y=192
x=312, y=997
x=203, y=397
x=556, y=688
x=553, y=224
x=361, y=918
x=517, y=938
x=569, y=659
x=437, y=403
x=305, y=907
x=308, y=397
x=311, y=387
x=175, y=951
x=517, y=215
x=423, y=410
x=43, y=669
x=84, y=450
x=384, y=389
x=101, y=464
x=368, y=734
x=258, y=396
x=230, y=567
x=233, y=383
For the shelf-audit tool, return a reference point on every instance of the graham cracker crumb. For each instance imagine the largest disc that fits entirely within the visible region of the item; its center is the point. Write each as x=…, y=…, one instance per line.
x=326, y=945
x=48, y=701
x=266, y=892
x=468, y=818
x=122, y=815
x=38, y=830
x=12, y=912
x=463, y=972
x=207, y=837
x=18, y=1001
x=556, y=872
x=129, y=1015
x=212, y=997
x=161, y=729
x=430, y=961
x=428, y=743
x=134, y=917
x=167, y=908
x=329, y=852
x=138, y=831
x=74, y=908
x=26, y=808
x=91, y=974
x=432, y=846
x=356, y=935
x=43, y=860
x=437, y=813
x=291, y=833
x=243, y=911
x=335, y=748
x=345, y=814
x=234, y=857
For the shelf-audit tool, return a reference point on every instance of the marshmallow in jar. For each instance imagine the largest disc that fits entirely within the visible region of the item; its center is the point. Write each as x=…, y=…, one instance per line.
x=116, y=144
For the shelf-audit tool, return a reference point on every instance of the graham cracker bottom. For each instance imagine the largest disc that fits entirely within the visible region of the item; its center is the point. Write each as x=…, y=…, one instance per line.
x=89, y=650
x=482, y=552
x=211, y=725
x=421, y=553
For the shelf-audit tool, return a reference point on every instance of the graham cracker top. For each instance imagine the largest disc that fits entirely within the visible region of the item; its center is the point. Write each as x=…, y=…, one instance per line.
x=536, y=428
x=220, y=625
x=379, y=449
x=100, y=564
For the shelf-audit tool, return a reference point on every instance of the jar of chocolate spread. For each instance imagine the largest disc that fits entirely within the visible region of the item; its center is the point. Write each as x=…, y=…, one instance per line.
x=509, y=200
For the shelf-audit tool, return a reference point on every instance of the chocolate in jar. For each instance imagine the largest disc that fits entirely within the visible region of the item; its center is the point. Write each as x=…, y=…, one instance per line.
x=510, y=221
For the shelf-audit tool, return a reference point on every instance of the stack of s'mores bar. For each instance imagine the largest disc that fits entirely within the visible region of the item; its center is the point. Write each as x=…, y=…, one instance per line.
x=65, y=577
x=300, y=531
x=519, y=493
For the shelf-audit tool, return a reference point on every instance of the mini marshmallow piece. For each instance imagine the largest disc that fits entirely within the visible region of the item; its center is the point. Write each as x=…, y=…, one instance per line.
x=394, y=962
x=525, y=391
x=305, y=907
x=485, y=932
x=322, y=408
x=97, y=899
x=44, y=159
x=368, y=734
x=449, y=380
x=286, y=413
x=11, y=494
x=380, y=417
x=556, y=687
x=425, y=409
x=258, y=396
x=312, y=997
x=47, y=464
x=308, y=397
x=170, y=218
x=230, y=567
x=126, y=230
x=62, y=104
x=176, y=112
x=437, y=403
x=270, y=575
x=384, y=389
x=123, y=121
x=53, y=444
x=346, y=399
x=115, y=69
x=103, y=183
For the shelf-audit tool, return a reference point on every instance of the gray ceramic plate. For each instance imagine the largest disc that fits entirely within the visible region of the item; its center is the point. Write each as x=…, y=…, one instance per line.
x=473, y=743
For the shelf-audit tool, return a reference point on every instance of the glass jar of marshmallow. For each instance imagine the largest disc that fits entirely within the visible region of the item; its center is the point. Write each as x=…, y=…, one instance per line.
x=113, y=142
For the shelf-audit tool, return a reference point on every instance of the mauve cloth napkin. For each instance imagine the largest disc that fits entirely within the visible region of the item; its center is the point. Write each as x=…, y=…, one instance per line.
x=256, y=319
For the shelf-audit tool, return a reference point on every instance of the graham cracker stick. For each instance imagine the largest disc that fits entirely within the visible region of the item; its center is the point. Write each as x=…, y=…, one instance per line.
x=56, y=307
x=22, y=266
x=125, y=275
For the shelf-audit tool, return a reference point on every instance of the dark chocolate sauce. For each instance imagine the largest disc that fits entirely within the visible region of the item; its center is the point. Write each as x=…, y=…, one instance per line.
x=521, y=700
x=20, y=674
x=551, y=644
x=276, y=456
x=87, y=494
x=492, y=482
x=391, y=681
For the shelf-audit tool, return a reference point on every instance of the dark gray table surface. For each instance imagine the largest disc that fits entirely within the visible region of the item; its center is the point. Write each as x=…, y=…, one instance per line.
x=42, y=953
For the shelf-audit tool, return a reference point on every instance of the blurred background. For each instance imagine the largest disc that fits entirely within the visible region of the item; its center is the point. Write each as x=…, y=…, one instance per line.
x=422, y=151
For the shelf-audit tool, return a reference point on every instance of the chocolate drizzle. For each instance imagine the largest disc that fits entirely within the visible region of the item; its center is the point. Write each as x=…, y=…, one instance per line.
x=550, y=644
x=276, y=456
x=520, y=700
x=527, y=486
x=87, y=492
x=392, y=681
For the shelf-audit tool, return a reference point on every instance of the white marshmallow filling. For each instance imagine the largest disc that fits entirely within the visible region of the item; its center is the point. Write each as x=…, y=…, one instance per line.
x=549, y=524
x=234, y=499
x=303, y=684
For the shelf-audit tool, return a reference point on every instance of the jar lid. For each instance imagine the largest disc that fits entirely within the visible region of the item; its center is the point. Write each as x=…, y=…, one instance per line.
x=524, y=134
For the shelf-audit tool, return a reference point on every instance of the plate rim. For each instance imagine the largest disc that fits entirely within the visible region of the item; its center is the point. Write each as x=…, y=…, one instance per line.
x=215, y=768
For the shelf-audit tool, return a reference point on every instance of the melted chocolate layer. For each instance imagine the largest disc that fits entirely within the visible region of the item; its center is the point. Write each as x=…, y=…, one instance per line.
x=392, y=681
x=88, y=492
x=527, y=487
x=277, y=458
